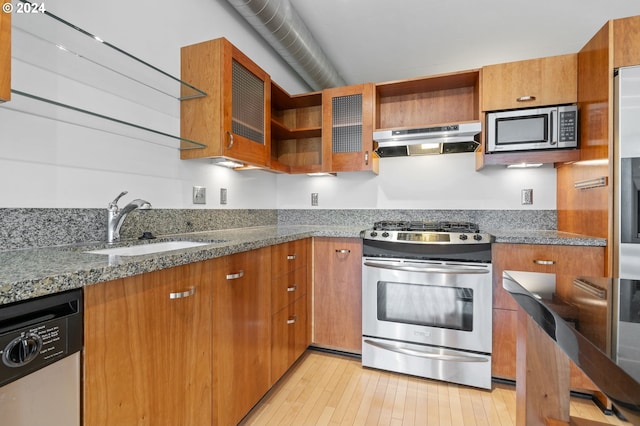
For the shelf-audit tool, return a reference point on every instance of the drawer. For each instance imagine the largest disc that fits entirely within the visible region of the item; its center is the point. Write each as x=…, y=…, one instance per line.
x=287, y=288
x=287, y=257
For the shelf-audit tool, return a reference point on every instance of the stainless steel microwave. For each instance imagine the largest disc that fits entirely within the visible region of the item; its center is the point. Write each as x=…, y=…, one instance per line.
x=530, y=129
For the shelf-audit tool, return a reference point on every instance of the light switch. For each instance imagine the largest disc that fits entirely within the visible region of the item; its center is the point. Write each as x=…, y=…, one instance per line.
x=199, y=195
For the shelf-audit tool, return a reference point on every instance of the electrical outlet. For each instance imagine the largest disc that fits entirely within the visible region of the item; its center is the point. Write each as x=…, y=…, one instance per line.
x=527, y=196
x=314, y=198
x=223, y=195
x=199, y=195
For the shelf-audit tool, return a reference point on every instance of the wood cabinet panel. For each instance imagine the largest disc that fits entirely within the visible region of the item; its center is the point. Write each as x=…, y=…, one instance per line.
x=289, y=337
x=428, y=101
x=241, y=333
x=212, y=120
x=5, y=56
x=503, y=356
x=288, y=287
x=626, y=42
x=564, y=261
x=346, y=113
x=337, y=293
x=530, y=83
x=287, y=257
x=147, y=357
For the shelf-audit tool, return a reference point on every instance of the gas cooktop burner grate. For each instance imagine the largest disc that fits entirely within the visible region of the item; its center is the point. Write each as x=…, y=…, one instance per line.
x=441, y=226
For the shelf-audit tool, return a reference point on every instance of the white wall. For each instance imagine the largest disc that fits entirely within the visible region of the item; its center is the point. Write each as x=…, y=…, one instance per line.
x=427, y=182
x=49, y=163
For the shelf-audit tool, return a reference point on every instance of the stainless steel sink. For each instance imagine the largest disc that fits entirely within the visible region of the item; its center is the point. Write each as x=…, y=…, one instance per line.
x=151, y=248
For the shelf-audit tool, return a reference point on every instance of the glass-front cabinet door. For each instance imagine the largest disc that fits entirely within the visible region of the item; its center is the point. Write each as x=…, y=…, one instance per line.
x=348, y=129
x=233, y=120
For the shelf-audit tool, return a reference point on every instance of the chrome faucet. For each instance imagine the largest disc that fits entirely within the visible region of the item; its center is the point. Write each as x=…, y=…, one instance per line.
x=117, y=215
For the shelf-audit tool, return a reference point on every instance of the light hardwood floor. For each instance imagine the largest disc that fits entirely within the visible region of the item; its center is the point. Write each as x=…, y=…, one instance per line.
x=326, y=389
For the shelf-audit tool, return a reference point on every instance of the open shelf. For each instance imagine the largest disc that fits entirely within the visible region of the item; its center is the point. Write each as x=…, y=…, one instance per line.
x=45, y=108
x=50, y=45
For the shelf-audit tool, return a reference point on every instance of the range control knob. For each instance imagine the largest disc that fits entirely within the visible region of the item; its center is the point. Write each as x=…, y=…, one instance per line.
x=374, y=234
x=22, y=350
x=477, y=237
x=385, y=234
x=463, y=237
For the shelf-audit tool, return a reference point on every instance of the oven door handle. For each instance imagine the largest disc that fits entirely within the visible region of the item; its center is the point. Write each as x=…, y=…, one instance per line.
x=442, y=269
x=439, y=355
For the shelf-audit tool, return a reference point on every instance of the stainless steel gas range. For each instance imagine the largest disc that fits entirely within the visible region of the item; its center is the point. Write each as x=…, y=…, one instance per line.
x=426, y=300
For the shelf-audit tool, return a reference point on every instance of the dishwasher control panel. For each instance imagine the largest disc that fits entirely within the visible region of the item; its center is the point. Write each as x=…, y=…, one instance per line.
x=36, y=333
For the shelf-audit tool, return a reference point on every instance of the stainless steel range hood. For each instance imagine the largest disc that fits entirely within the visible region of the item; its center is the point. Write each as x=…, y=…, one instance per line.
x=453, y=138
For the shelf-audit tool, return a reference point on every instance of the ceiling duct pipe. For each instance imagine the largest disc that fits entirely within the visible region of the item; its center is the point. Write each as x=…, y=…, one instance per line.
x=284, y=30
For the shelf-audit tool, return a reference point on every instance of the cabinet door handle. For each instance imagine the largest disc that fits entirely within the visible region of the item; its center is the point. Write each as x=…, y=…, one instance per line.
x=292, y=257
x=235, y=276
x=230, y=140
x=292, y=320
x=183, y=294
x=292, y=288
x=343, y=251
x=526, y=99
x=544, y=262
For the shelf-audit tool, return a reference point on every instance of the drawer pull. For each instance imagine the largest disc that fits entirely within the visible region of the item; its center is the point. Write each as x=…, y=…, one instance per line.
x=235, y=276
x=526, y=98
x=292, y=257
x=343, y=251
x=292, y=288
x=544, y=262
x=292, y=320
x=183, y=294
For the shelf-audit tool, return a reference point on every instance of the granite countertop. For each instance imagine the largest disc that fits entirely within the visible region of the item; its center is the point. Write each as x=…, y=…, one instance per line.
x=30, y=273
x=595, y=321
x=545, y=237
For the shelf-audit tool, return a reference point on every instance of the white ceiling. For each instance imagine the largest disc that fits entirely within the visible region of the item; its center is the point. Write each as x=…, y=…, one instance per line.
x=386, y=40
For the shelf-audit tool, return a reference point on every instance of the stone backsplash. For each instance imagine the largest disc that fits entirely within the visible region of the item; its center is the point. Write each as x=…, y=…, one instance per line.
x=30, y=228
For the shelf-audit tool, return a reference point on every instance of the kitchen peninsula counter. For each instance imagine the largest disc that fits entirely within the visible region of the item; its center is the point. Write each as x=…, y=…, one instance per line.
x=595, y=322
x=29, y=273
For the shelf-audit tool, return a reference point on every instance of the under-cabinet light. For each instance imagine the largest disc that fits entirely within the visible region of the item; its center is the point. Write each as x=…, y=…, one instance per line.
x=320, y=174
x=524, y=165
x=226, y=163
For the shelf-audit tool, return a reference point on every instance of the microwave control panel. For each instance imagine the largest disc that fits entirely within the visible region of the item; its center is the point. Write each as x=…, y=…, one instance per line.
x=567, y=125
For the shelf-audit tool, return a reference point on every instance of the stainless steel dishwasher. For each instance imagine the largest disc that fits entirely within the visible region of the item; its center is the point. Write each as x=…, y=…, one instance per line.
x=40, y=344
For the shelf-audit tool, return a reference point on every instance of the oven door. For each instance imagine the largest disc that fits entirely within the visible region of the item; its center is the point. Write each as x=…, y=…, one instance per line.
x=445, y=304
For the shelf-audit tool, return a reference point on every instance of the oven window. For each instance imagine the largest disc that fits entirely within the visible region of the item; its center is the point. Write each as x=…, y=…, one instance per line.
x=426, y=305
x=515, y=130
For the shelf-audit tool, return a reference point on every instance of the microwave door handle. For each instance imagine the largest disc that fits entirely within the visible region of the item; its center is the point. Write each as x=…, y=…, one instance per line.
x=443, y=269
x=553, y=126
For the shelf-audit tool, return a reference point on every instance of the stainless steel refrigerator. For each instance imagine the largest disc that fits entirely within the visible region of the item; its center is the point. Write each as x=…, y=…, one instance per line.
x=627, y=173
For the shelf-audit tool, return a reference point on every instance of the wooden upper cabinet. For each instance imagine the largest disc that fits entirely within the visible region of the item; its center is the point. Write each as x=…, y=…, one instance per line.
x=441, y=99
x=296, y=131
x=233, y=119
x=536, y=82
x=626, y=34
x=347, y=129
x=5, y=56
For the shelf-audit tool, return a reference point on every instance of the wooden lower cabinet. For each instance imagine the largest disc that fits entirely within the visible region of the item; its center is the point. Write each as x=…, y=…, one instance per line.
x=288, y=337
x=290, y=334
x=565, y=262
x=147, y=356
x=337, y=293
x=241, y=333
